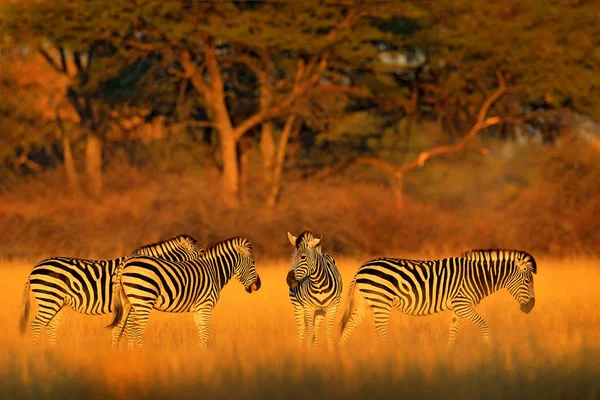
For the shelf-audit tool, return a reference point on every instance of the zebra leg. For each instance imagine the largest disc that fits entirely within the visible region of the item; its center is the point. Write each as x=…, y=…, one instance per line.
x=382, y=318
x=121, y=328
x=47, y=310
x=319, y=317
x=299, y=316
x=468, y=312
x=355, y=319
x=331, y=313
x=309, y=318
x=454, y=325
x=138, y=319
x=202, y=319
x=52, y=328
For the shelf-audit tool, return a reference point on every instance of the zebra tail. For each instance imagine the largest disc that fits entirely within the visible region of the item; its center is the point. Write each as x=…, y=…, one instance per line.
x=24, y=310
x=349, y=306
x=117, y=304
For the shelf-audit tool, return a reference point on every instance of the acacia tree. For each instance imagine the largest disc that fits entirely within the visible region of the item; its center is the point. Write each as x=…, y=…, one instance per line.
x=30, y=94
x=76, y=39
x=289, y=48
x=504, y=58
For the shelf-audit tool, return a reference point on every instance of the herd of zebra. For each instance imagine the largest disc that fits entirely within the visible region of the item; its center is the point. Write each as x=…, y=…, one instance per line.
x=177, y=275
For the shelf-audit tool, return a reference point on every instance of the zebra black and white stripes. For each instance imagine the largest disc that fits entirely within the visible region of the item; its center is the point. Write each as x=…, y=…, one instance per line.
x=192, y=286
x=315, y=286
x=426, y=287
x=84, y=285
x=178, y=248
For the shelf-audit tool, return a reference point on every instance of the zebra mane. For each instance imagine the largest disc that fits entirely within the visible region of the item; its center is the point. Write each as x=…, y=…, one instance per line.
x=239, y=240
x=304, y=237
x=175, y=239
x=501, y=254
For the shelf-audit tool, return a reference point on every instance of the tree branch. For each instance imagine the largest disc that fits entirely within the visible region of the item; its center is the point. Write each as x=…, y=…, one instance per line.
x=393, y=170
x=63, y=60
x=77, y=60
x=191, y=72
x=50, y=60
x=483, y=121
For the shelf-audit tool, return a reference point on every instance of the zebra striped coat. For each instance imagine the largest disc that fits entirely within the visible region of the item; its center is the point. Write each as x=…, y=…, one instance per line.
x=84, y=285
x=315, y=287
x=426, y=287
x=191, y=286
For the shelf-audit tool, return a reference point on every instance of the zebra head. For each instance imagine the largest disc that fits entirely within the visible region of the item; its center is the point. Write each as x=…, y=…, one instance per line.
x=191, y=245
x=304, y=259
x=520, y=267
x=520, y=285
x=244, y=268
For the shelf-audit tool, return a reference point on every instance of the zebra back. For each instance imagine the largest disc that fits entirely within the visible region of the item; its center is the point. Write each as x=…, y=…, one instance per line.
x=177, y=248
x=488, y=255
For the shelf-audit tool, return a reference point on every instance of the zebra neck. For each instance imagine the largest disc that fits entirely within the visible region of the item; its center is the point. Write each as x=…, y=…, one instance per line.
x=221, y=265
x=491, y=276
x=321, y=274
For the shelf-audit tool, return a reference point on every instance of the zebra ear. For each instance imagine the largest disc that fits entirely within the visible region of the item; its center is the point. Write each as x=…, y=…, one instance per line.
x=292, y=239
x=184, y=243
x=314, y=243
x=242, y=249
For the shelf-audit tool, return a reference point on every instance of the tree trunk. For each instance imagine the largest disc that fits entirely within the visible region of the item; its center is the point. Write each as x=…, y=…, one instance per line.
x=93, y=164
x=231, y=171
x=244, y=149
x=267, y=149
x=281, y=150
x=70, y=169
x=397, y=184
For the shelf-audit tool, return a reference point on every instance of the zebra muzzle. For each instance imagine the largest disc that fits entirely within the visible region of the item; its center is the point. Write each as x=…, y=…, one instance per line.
x=527, y=307
x=291, y=280
x=255, y=285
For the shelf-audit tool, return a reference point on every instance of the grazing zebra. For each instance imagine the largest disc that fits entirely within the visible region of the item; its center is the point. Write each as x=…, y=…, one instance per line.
x=84, y=285
x=427, y=287
x=315, y=286
x=194, y=286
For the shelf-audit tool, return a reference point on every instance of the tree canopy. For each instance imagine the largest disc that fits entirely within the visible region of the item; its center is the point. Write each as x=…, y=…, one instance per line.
x=344, y=80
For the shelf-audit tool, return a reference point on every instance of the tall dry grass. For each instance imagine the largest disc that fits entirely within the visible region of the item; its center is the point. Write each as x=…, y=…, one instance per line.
x=554, y=352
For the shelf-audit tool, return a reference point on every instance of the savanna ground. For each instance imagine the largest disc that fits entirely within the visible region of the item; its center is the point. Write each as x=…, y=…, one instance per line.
x=554, y=352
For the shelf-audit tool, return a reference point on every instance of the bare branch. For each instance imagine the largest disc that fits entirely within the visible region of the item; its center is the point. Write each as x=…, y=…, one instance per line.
x=194, y=124
x=191, y=72
x=77, y=60
x=393, y=170
x=280, y=159
x=63, y=60
x=24, y=160
x=50, y=60
x=483, y=121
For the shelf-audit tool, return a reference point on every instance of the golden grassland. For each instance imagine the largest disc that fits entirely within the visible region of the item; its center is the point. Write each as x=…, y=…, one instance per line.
x=554, y=352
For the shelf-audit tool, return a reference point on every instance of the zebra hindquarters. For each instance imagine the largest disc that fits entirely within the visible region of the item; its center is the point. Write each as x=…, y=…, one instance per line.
x=355, y=311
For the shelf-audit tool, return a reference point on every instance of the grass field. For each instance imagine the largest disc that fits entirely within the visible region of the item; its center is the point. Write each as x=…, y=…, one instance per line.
x=554, y=352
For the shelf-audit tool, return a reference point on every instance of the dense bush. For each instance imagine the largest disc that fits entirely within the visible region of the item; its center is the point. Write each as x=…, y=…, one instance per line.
x=549, y=204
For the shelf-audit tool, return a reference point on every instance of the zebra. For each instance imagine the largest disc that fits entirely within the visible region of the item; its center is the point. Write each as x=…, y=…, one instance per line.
x=315, y=286
x=194, y=286
x=84, y=285
x=178, y=248
x=427, y=287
